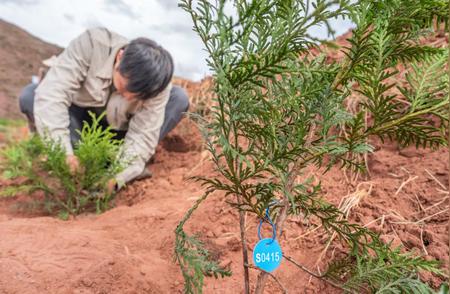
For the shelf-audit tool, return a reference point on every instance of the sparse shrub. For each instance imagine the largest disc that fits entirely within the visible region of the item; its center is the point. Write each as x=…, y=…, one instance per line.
x=42, y=165
x=280, y=108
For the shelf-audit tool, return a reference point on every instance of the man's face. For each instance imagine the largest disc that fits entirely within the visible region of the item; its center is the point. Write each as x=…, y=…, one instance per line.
x=119, y=81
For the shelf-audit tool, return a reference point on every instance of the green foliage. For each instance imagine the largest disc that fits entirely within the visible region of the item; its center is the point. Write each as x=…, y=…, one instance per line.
x=99, y=151
x=99, y=154
x=386, y=37
x=444, y=289
x=12, y=191
x=42, y=163
x=193, y=258
x=383, y=271
x=280, y=108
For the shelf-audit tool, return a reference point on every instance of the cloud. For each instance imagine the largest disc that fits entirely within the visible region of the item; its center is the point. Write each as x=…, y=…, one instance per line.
x=69, y=17
x=20, y=2
x=92, y=22
x=172, y=28
x=168, y=4
x=120, y=7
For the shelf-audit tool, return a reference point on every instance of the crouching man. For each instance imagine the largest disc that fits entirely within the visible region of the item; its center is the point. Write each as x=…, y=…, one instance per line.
x=102, y=71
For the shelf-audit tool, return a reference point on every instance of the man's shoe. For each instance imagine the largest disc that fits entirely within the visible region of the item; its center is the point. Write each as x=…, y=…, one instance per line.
x=151, y=160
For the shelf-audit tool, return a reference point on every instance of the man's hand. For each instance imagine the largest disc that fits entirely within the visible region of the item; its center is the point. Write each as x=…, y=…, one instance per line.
x=111, y=186
x=73, y=163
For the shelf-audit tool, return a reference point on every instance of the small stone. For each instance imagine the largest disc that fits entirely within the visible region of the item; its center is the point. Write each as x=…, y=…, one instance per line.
x=87, y=282
x=234, y=244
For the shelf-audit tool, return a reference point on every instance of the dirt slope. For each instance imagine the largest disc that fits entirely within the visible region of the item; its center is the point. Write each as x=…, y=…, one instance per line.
x=20, y=57
x=129, y=249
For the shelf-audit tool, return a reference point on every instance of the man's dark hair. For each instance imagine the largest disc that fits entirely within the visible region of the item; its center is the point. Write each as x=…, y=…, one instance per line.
x=147, y=66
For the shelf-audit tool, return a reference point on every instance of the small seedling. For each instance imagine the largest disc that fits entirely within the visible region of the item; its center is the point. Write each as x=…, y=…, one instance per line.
x=42, y=163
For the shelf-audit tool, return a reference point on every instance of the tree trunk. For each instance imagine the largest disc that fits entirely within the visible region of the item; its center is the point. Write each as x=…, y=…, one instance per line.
x=244, y=248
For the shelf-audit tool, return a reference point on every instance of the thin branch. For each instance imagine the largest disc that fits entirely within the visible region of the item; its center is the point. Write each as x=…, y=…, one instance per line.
x=242, y=215
x=409, y=116
x=436, y=180
x=418, y=202
x=423, y=219
x=307, y=233
x=434, y=205
x=283, y=288
x=318, y=276
x=376, y=220
x=410, y=179
x=431, y=216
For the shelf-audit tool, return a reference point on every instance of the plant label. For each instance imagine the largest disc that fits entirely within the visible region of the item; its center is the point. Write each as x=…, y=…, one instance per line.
x=267, y=255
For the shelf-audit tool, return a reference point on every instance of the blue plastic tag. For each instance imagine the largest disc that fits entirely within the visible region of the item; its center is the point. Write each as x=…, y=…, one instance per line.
x=267, y=254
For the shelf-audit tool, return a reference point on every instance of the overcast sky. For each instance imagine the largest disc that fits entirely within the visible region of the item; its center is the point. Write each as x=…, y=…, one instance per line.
x=59, y=21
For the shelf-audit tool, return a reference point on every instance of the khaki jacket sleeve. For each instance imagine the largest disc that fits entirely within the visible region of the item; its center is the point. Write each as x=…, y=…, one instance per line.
x=54, y=95
x=142, y=136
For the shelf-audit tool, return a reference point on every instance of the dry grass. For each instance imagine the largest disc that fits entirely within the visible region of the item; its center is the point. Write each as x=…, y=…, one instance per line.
x=345, y=206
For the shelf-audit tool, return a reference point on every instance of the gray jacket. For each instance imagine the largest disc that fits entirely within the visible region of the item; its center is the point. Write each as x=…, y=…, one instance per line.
x=82, y=75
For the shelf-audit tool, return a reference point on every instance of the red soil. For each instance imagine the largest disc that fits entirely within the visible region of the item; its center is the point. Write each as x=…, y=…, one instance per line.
x=129, y=249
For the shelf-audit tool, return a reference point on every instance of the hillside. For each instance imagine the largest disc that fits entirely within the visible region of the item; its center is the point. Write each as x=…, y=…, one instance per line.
x=20, y=57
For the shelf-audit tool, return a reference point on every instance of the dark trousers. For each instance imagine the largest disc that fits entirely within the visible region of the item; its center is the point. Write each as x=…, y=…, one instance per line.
x=178, y=104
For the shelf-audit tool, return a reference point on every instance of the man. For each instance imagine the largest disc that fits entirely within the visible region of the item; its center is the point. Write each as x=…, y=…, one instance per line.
x=101, y=71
